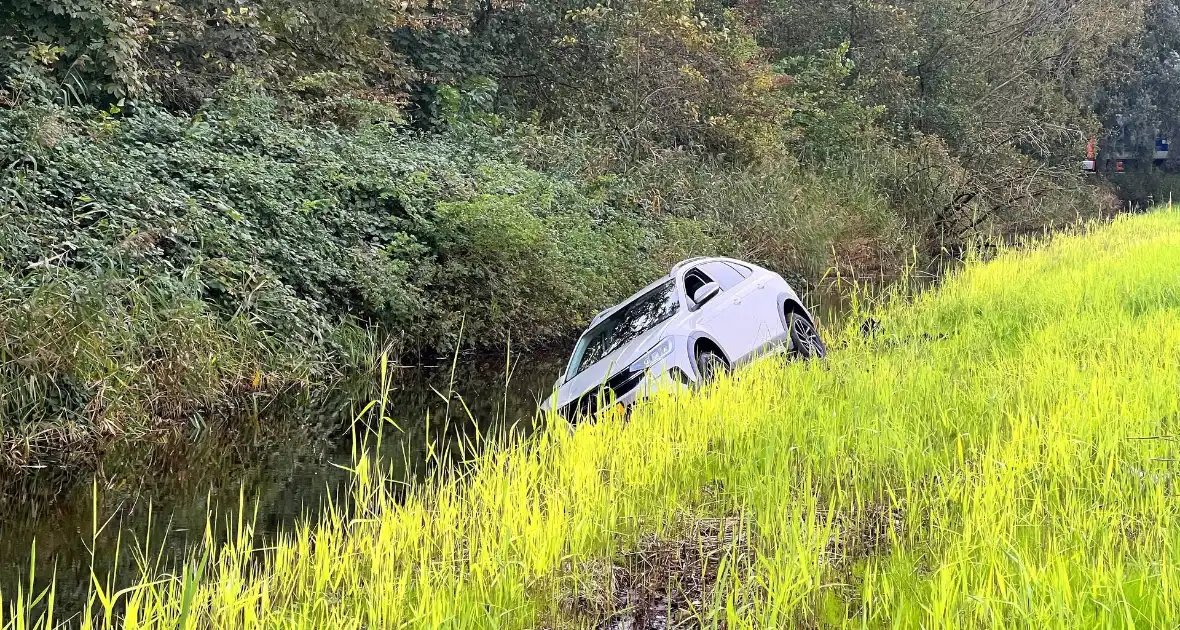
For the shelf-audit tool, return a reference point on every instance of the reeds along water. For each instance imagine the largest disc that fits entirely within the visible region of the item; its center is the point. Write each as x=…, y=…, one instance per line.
x=1001, y=454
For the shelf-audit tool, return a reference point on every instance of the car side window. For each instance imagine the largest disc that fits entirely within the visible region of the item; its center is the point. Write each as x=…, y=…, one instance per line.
x=723, y=274
x=695, y=279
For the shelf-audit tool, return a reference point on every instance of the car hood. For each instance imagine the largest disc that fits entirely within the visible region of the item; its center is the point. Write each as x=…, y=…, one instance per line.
x=615, y=362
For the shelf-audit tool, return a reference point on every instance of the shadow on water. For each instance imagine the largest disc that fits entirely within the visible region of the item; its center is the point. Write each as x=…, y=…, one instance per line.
x=281, y=462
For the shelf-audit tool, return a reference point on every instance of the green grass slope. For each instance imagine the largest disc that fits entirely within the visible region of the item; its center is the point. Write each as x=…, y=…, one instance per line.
x=1002, y=454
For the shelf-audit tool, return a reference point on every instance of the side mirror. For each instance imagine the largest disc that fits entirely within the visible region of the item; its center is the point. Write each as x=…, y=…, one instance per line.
x=705, y=293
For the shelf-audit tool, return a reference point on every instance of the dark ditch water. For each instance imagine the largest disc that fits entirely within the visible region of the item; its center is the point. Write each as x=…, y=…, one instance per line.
x=284, y=459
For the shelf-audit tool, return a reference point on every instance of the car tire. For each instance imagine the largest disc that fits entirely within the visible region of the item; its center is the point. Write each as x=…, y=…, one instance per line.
x=805, y=340
x=710, y=365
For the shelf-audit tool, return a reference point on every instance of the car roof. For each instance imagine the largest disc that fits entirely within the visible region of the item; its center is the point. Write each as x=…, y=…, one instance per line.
x=700, y=259
x=671, y=274
x=688, y=261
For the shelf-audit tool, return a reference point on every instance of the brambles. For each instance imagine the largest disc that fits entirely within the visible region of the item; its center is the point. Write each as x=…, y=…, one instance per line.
x=155, y=266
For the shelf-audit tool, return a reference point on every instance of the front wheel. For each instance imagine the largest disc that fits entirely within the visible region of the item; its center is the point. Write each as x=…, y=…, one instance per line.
x=710, y=365
x=805, y=340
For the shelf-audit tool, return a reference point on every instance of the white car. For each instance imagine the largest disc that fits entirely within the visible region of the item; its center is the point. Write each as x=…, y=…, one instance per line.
x=706, y=316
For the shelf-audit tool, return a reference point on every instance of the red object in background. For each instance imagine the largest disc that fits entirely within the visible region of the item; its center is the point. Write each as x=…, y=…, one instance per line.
x=1118, y=166
x=1090, y=149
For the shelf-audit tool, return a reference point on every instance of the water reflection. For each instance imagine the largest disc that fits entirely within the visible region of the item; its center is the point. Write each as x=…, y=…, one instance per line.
x=285, y=461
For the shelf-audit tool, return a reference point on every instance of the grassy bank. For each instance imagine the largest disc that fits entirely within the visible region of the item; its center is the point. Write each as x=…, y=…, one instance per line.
x=1002, y=454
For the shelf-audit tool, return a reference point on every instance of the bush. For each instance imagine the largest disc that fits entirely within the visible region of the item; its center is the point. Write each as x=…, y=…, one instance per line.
x=154, y=264
x=1145, y=186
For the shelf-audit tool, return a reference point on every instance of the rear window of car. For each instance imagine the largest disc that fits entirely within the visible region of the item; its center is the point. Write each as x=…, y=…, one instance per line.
x=624, y=326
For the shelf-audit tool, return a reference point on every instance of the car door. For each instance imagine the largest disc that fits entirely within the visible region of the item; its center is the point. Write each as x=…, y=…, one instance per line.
x=760, y=303
x=754, y=310
x=723, y=317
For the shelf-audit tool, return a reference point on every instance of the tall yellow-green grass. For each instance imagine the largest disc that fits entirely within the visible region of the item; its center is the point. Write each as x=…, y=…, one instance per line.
x=1002, y=454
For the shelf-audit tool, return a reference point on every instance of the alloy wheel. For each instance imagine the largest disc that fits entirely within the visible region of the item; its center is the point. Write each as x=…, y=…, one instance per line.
x=805, y=340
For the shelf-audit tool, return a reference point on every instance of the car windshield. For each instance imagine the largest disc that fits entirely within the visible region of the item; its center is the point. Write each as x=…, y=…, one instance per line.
x=623, y=326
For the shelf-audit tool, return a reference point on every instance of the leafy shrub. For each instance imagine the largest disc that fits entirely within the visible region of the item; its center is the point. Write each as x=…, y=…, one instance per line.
x=188, y=254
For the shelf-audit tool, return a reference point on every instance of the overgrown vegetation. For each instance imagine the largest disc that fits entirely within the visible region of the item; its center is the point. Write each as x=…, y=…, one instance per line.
x=204, y=198
x=1001, y=452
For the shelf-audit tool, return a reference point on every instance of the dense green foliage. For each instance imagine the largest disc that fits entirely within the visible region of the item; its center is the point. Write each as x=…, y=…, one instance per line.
x=1142, y=103
x=145, y=229
x=1143, y=99
x=203, y=198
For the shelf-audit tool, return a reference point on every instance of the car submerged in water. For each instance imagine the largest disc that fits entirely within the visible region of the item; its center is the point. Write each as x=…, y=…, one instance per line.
x=706, y=317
